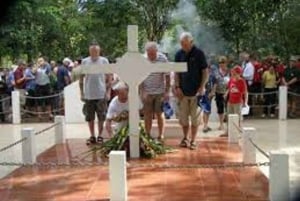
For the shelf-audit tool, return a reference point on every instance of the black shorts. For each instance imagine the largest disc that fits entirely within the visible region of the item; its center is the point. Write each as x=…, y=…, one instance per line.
x=92, y=107
x=221, y=103
x=31, y=102
x=42, y=91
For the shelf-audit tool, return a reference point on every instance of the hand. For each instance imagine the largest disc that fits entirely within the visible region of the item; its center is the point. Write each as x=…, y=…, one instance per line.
x=144, y=96
x=178, y=93
x=211, y=95
x=201, y=91
x=166, y=97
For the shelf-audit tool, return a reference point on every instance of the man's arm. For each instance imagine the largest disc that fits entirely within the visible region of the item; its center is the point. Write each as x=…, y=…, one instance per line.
x=81, y=79
x=108, y=126
x=204, y=79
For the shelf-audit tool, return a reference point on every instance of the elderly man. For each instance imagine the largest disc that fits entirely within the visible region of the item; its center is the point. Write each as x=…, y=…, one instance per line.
x=118, y=109
x=248, y=75
x=154, y=91
x=188, y=86
x=93, y=91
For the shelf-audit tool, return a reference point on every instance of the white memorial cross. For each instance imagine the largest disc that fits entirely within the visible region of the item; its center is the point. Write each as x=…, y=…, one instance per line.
x=133, y=68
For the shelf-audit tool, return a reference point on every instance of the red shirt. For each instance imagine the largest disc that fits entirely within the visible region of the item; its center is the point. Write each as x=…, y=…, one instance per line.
x=237, y=90
x=258, y=71
x=19, y=74
x=280, y=70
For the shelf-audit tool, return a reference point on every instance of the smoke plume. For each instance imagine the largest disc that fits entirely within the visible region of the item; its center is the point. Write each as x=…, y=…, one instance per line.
x=186, y=18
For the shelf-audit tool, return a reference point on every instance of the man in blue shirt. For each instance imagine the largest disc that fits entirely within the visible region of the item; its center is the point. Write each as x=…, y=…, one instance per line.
x=189, y=85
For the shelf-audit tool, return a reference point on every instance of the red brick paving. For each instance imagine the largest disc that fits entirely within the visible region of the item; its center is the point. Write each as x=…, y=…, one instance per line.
x=146, y=184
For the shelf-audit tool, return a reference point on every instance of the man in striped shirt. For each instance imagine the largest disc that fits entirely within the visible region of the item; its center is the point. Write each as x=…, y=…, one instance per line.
x=154, y=91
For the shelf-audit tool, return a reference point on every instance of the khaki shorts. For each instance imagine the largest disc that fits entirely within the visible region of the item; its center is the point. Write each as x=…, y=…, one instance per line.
x=188, y=107
x=153, y=103
x=234, y=109
x=93, y=107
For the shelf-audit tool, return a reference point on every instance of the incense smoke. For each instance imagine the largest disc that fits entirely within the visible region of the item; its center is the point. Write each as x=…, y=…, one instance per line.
x=186, y=18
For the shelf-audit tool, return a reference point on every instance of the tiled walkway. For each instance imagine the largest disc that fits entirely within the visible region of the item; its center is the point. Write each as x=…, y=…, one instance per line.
x=145, y=184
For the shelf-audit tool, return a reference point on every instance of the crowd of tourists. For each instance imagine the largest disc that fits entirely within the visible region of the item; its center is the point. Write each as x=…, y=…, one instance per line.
x=40, y=85
x=233, y=84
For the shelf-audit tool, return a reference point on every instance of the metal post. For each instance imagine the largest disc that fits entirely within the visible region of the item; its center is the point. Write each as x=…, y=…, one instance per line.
x=16, y=108
x=233, y=131
x=117, y=176
x=283, y=97
x=279, y=183
x=29, y=151
x=60, y=133
x=248, y=150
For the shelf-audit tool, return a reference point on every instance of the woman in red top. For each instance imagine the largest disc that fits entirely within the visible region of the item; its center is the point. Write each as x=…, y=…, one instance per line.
x=237, y=92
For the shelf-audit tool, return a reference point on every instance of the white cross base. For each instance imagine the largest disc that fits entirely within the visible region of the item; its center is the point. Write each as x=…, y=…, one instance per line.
x=133, y=69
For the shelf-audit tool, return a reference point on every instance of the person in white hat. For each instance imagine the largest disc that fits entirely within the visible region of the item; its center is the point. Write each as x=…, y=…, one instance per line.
x=118, y=109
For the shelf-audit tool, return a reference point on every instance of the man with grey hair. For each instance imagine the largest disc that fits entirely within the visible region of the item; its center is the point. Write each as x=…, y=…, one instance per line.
x=93, y=91
x=154, y=91
x=188, y=86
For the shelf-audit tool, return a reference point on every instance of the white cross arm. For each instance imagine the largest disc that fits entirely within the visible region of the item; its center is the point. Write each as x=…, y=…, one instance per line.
x=168, y=67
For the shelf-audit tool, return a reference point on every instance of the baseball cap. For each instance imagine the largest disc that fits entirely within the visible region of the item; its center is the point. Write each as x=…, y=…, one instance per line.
x=238, y=70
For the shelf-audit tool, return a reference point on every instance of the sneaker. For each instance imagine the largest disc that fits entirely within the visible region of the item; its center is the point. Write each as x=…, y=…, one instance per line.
x=91, y=140
x=263, y=115
x=193, y=146
x=272, y=115
x=184, y=142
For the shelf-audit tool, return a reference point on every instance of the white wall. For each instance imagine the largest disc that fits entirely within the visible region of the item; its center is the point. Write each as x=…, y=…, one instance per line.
x=73, y=104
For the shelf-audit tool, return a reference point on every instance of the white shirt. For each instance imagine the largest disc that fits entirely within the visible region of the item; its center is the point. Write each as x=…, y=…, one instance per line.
x=114, y=109
x=248, y=72
x=94, y=85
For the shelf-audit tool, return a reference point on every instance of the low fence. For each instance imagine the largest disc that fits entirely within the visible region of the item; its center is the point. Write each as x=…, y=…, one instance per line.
x=278, y=162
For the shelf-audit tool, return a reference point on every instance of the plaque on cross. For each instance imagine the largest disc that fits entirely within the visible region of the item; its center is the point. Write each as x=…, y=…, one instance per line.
x=133, y=68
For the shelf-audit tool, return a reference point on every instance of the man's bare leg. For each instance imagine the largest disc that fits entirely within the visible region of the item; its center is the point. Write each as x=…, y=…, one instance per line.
x=221, y=121
x=161, y=125
x=92, y=128
x=148, y=121
x=194, y=133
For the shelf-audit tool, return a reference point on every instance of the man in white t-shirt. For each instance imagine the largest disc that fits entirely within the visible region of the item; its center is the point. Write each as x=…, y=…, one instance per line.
x=93, y=91
x=118, y=109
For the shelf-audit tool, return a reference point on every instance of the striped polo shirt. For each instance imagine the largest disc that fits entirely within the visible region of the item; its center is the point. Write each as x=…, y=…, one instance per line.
x=155, y=82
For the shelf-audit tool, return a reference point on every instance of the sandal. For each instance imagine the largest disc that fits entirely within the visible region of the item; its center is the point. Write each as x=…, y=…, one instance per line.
x=184, y=142
x=193, y=146
x=205, y=130
x=99, y=139
x=91, y=140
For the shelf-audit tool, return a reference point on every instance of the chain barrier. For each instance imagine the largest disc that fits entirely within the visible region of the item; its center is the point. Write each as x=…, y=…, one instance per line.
x=262, y=93
x=134, y=166
x=42, y=97
x=259, y=106
x=293, y=94
x=259, y=149
x=13, y=144
x=199, y=166
x=46, y=129
x=5, y=99
x=252, y=142
x=238, y=128
x=41, y=113
x=6, y=112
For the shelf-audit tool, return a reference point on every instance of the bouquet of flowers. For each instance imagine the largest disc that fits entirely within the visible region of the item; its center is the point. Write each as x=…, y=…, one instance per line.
x=149, y=148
